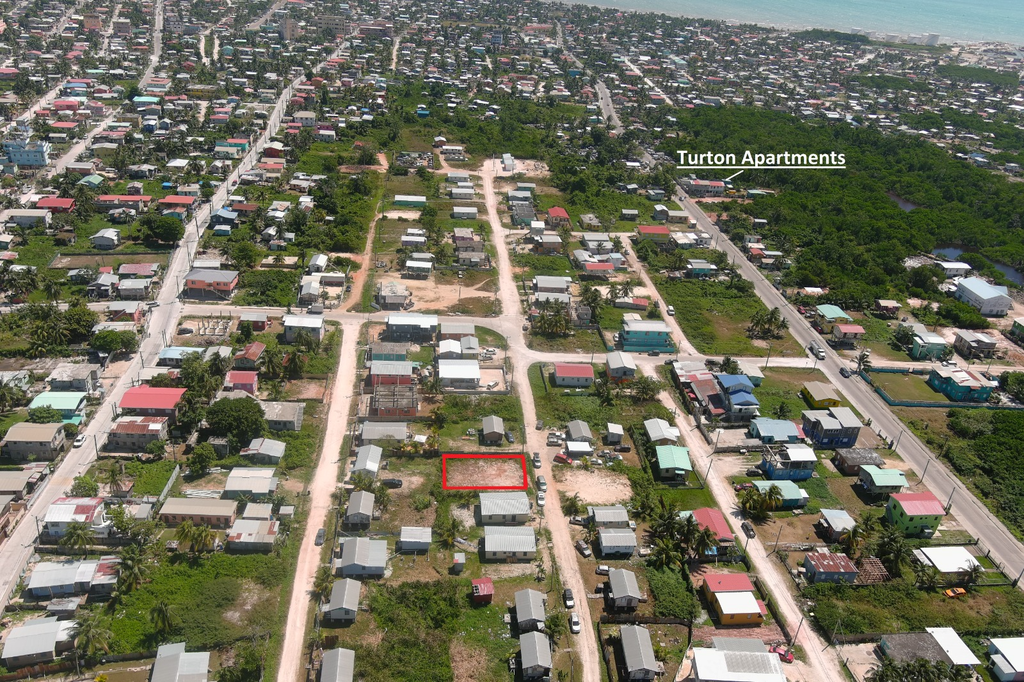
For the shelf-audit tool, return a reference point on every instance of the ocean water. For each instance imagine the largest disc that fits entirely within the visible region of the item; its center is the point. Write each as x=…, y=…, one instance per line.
x=953, y=20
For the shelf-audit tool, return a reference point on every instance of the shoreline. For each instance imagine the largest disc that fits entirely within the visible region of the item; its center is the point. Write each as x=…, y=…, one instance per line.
x=943, y=41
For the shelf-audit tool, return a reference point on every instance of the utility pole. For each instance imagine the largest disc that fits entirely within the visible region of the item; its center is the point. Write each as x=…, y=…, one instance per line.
x=704, y=483
x=777, y=537
x=949, y=502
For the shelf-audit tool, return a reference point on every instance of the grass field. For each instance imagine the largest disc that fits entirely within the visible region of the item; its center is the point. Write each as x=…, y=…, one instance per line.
x=907, y=387
x=715, y=318
x=582, y=341
x=782, y=385
x=877, y=336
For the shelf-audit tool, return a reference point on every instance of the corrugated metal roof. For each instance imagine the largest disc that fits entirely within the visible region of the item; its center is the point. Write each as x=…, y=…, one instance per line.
x=535, y=648
x=637, y=649
x=344, y=595
x=337, y=665
x=623, y=583
x=515, y=539
x=507, y=504
x=529, y=606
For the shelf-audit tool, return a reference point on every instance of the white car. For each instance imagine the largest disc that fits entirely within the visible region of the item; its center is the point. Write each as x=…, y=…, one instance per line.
x=541, y=499
x=574, y=623
x=80, y=441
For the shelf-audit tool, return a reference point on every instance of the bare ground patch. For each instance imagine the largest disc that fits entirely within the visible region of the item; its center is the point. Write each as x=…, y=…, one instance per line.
x=498, y=472
x=465, y=661
x=251, y=595
x=594, y=487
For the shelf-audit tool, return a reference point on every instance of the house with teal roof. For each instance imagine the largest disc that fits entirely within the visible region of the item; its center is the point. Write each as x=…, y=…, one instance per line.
x=793, y=496
x=878, y=481
x=827, y=316
x=70, y=404
x=673, y=462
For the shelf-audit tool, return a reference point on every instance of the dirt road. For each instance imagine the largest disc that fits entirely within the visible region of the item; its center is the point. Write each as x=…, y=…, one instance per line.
x=325, y=480
x=561, y=540
x=823, y=665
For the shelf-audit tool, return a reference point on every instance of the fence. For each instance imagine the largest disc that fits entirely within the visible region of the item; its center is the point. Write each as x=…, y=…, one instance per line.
x=892, y=402
x=170, y=482
x=637, y=619
x=773, y=608
x=43, y=670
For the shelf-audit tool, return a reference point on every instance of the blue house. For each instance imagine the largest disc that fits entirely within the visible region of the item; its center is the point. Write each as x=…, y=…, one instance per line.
x=774, y=431
x=961, y=385
x=836, y=427
x=641, y=336
x=225, y=217
x=741, y=404
x=793, y=462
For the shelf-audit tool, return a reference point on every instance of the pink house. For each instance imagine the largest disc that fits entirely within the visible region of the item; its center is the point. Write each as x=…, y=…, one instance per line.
x=241, y=380
x=65, y=105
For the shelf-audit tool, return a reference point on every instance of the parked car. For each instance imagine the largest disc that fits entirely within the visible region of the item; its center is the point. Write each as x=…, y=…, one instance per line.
x=602, y=569
x=80, y=441
x=541, y=499
x=567, y=598
x=582, y=548
x=955, y=593
x=753, y=471
x=574, y=623
x=784, y=654
x=844, y=372
x=540, y=424
x=510, y=437
x=536, y=460
x=671, y=310
x=554, y=439
x=542, y=484
x=654, y=353
x=622, y=448
x=321, y=535
x=576, y=520
x=748, y=529
x=392, y=483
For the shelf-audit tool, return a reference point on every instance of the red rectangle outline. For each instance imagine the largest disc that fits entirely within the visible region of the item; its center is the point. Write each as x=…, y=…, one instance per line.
x=454, y=455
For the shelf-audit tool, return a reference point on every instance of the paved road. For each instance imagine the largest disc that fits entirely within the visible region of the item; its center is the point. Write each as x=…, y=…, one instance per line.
x=974, y=516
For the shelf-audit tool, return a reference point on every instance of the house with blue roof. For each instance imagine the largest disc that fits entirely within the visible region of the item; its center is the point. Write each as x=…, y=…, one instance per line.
x=770, y=431
x=741, y=404
x=989, y=300
x=173, y=356
x=225, y=217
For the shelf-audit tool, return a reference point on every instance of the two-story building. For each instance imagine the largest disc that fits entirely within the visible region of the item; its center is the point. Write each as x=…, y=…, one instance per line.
x=643, y=336
x=961, y=385
x=988, y=299
x=836, y=427
x=916, y=514
x=794, y=462
x=27, y=441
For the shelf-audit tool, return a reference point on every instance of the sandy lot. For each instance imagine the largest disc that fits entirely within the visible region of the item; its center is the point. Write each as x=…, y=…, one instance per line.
x=490, y=471
x=594, y=487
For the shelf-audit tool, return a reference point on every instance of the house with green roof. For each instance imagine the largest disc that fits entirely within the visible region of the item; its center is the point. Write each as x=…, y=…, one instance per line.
x=878, y=481
x=673, y=462
x=793, y=496
x=70, y=404
x=828, y=316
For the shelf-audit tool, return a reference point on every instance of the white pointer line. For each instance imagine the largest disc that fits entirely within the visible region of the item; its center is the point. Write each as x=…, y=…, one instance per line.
x=760, y=167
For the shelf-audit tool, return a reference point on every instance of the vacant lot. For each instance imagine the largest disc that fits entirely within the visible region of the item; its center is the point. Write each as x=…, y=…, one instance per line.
x=715, y=317
x=100, y=260
x=491, y=471
x=782, y=385
x=907, y=387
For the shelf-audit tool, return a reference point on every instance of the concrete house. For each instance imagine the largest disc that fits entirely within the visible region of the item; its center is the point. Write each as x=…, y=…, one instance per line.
x=573, y=375
x=770, y=431
x=252, y=535
x=849, y=460
x=135, y=433
x=200, y=511
x=638, y=653
x=251, y=482
x=264, y=451
x=509, y=543
x=731, y=596
x=25, y=441
x=793, y=461
x=642, y=336
x=535, y=656
x=74, y=376
x=499, y=508
x=916, y=514
x=529, y=606
x=621, y=366
x=64, y=511
x=218, y=284
x=359, y=511
x=361, y=557
x=623, y=592
x=988, y=299
x=1007, y=656
x=973, y=345
x=343, y=605
x=837, y=427
x=293, y=324
x=282, y=416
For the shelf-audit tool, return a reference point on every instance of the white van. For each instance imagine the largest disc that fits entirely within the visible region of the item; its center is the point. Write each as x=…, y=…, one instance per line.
x=816, y=350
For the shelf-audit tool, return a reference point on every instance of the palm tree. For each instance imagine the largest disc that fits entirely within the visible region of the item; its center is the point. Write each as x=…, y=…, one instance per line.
x=893, y=551
x=8, y=396
x=972, y=575
x=853, y=540
x=665, y=554
x=161, y=615
x=572, y=506
x=782, y=411
x=185, y=533
x=203, y=538
x=926, y=577
x=772, y=498
x=272, y=362
x=556, y=625
x=665, y=523
x=705, y=541
x=113, y=477
x=323, y=583
x=77, y=536
x=91, y=636
x=382, y=499
x=864, y=360
x=362, y=481
x=53, y=289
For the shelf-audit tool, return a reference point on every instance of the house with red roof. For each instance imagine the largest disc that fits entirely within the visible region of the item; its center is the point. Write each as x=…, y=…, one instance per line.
x=64, y=511
x=57, y=204
x=149, y=401
x=915, y=513
x=830, y=567
x=847, y=334
x=558, y=217
x=573, y=374
x=249, y=357
x=731, y=597
x=241, y=380
x=133, y=434
x=659, y=234
x=706, y=517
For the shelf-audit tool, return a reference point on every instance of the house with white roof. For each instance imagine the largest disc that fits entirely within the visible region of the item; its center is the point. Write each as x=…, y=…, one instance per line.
x=989, y=299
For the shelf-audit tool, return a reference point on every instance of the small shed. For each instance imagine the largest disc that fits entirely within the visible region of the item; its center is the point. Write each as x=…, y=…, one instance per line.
x=483, y=590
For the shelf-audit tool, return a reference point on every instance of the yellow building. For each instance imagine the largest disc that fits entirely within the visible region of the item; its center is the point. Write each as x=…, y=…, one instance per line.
x=820, y=395
x=731, y=597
